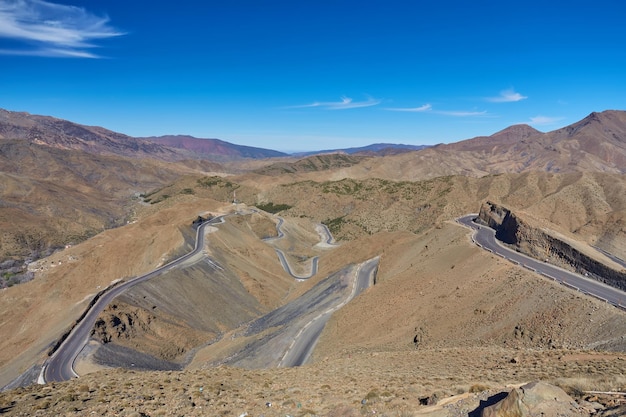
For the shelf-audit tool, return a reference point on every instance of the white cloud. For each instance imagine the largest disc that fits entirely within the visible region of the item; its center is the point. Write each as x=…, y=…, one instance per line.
x=544, y=120
x=48, y=29
x=345, y=103
x=429, y=108
x=507, y=96
x=425, y=107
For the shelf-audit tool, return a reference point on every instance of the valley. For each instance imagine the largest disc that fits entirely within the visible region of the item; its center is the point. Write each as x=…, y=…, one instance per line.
x=332, y=283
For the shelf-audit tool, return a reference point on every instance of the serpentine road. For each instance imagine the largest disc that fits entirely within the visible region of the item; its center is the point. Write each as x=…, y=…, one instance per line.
x=485, y=237
x=283, y=260
x=60, y=366
x=305, y=341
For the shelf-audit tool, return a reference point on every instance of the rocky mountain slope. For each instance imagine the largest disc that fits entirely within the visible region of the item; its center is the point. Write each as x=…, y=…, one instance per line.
x=594, y=144
x=373, y=149
x=313, y=163
x=52, y=197
x=390, y=350
x=63, y=134
x=213, y=149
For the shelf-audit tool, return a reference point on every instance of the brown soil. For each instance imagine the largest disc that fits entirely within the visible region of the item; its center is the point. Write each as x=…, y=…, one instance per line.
x=444, y=315
x=347, y=384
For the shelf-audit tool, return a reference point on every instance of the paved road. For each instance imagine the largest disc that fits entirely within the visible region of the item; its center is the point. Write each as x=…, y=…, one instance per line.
x=325, y=234
x=612, y=257
x=484, y=237
x=300, y=350
x=287, y=267
x=60, y=366
x=282, y=258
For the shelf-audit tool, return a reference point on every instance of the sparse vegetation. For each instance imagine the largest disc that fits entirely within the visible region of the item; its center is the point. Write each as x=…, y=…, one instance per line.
x=334, y=225
x=509, y=326
x=160, y=199
x=273, y=208
x=214, y=181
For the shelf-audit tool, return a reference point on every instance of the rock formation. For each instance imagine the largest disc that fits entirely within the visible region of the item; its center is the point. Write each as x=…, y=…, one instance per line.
x=535, y=399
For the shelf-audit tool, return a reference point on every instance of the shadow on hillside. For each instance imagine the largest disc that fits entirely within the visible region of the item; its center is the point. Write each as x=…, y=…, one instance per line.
x=486, y=403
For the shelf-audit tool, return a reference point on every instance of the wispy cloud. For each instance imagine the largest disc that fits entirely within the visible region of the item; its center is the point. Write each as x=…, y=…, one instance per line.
x=425, y=107
x=507, y=96
x=41, y=28
x=544, y=120
x=345, y=103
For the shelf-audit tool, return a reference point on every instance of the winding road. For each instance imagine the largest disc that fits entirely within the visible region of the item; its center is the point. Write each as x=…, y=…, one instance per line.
x=60, y=366
x=485, y=237
x=306, y=339
x=325, y=235
x=283, y=259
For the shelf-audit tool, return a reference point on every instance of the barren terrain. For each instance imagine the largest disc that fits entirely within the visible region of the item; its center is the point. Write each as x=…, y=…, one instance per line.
x=444, y=317
x=510, y=327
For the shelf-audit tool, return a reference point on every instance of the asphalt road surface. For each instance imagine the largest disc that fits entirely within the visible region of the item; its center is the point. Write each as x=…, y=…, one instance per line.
x=485, y=237
x=304, y=343
x=287, y=267
x=283, y=259
x=327, y=236
x=60, y=366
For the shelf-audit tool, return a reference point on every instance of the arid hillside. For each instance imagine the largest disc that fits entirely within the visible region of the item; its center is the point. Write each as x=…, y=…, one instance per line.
x=358, y=213
x=79, y=190
x=588, y=206
x=53, y=197
x=212, y=149
x=595, y=144
x=443, y=318
x=63, y=134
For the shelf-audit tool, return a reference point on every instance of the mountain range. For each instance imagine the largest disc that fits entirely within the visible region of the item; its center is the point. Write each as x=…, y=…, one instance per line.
x=597, y=142
x=83, y=207
x=48, y=159
x=63, y=134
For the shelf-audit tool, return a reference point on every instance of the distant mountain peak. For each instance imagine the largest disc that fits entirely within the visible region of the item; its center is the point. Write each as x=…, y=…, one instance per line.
x=213, y=147
x=518, y=131
x=373, y=149
x=63, y=134
x=608, y=124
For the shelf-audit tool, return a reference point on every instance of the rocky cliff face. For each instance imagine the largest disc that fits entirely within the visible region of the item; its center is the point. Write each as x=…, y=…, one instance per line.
x=502, y=221
x=537, y=243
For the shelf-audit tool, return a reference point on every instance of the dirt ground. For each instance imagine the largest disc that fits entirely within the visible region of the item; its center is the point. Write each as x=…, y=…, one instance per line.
x=347, y=384
x=444, y=318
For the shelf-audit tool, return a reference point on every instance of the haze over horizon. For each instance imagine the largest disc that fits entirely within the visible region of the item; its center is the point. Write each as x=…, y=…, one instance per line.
x=299, y=76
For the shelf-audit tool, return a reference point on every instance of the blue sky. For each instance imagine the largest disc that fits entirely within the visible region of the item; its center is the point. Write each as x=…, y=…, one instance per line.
x=304, y=75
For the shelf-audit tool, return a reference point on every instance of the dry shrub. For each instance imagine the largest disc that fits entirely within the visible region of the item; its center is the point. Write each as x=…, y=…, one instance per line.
x=372, y=396
x=576, y=386
x=43, y=406
x=476, y=388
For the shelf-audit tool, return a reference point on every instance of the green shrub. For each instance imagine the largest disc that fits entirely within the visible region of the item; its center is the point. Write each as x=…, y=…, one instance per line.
x=273, y=208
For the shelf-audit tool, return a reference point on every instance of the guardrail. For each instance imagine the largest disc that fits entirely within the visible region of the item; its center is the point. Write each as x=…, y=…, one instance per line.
x=564, y=283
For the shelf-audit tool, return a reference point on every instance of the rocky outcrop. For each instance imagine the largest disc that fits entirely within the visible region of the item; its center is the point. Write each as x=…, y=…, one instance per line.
x=502, y=220
x=535, y=399
x=537, y=243
x=134, y=328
